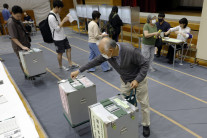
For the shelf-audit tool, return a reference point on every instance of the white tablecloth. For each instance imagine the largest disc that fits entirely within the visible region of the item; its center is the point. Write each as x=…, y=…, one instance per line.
x=14, y=107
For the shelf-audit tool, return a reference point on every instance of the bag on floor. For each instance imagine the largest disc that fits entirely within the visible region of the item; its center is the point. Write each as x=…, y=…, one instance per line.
x=45, y=30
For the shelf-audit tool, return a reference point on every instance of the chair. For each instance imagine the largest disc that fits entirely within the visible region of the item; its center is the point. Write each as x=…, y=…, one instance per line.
x=189, y=46
x=184, y=48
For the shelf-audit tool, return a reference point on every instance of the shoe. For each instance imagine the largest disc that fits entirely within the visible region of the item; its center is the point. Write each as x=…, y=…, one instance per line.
x=26, y=78
x=110, y=69
x=73, y=67
x=146, y=131
x=158, y=55
x=152, y=70
x=89, y=71
x=2, y=60
x=170, y=62
x=29, y=78
x=63, y=67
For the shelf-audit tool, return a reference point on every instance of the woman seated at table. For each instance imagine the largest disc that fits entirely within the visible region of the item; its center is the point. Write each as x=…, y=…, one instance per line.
x=182, y=32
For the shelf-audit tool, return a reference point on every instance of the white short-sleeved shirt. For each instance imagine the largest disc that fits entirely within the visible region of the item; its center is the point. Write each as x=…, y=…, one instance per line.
x=181, y=30
x=59, y=33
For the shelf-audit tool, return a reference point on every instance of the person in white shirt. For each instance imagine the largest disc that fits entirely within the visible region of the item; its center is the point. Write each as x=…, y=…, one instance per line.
x=60, y=40
x=182, y=32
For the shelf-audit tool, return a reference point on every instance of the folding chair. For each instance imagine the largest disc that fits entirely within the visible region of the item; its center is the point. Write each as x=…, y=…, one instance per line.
x=190, y=38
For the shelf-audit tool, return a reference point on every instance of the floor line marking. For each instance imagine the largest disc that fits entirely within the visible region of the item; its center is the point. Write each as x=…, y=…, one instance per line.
x=155, y=111
x=158, y=64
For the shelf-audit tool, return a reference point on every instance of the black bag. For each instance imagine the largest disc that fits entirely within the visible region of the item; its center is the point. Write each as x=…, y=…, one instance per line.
x=110, y=28
x=45, y=30
x=158, y=42
x=132, y=97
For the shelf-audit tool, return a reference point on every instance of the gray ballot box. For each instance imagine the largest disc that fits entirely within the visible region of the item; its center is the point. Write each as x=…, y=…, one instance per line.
x=114, y=118
x=33, y=62
x=76, y=96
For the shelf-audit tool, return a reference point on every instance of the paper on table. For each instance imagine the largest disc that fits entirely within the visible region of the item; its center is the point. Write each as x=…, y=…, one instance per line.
x=102, y=113
x=70, y=18
x=86, y=82
x=121, y=103
x=2, y=99
x=174, y=40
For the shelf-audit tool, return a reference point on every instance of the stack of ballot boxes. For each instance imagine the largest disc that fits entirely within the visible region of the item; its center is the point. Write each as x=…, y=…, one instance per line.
x=33, y=62
x=114, y=118
x=76, y=96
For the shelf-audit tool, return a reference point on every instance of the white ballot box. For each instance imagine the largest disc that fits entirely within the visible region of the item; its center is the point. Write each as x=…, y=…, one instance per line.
x=76, y=96
x=33, y=62
x=114, y=118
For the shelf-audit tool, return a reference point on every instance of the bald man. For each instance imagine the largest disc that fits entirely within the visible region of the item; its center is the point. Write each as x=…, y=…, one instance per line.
x=131, y=66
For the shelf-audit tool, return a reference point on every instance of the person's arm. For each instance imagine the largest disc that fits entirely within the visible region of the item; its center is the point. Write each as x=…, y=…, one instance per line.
x=147, y=34
x=141, y=62
x=54, y=23
x=14, y=35
x=186, y=34
x=172, y=30
x=16, y=41
x=119, y=21
x=95, y=62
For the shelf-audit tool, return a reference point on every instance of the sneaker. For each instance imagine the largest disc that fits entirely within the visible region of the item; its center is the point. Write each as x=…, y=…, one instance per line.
x=88, y=71
x=146, y=131
x=63, y=67
x=2, y=60
x=110, y=69
x=73, y=67
x=152, y=69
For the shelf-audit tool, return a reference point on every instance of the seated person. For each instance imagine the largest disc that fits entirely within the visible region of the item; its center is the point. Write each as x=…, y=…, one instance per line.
x=27, y=17
x=27, y=26
x=182, y=32
x=164, y=26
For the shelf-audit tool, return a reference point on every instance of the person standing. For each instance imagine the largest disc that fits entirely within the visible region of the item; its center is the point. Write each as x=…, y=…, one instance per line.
x=164, y=26
x=94, y=35
x=115, y=22
x=19, y=37
x=5, y=13
x=132, y=67
x=150, y=35
x=60, y=40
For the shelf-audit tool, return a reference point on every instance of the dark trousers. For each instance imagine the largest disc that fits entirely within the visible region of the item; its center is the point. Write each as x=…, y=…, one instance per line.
x=115, y=37
x=158, y=44
x=170, y=54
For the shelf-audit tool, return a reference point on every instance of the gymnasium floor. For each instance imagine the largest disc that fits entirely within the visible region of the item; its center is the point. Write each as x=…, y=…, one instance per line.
x=178, y=97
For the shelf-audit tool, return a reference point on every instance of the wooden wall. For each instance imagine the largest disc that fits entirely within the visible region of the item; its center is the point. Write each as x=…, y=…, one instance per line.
x=109, y=2
x=68, y=4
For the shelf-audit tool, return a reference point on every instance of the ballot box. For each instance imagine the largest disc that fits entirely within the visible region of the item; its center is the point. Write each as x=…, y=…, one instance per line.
x=114, y=118
x=33, y=62
x=76, y=95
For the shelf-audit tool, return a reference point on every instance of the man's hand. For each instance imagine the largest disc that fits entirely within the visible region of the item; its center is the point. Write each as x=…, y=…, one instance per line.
x=25, y=48
x=134, y=84
x=104, y=35
x=74, y=74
